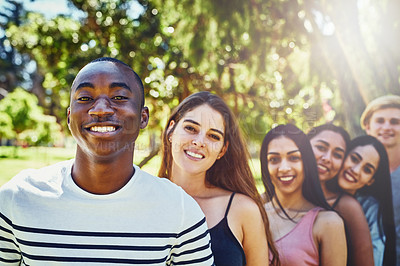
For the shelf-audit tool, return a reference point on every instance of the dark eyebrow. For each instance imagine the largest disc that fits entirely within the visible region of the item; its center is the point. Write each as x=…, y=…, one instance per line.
x=323, y=142
x=277, y=153
x=112, y=85
x=120, y=85
x=358, y=155
x=339, y=149
x=327, y=144
x=360, y=158
x=84, y=85
x=197, y=123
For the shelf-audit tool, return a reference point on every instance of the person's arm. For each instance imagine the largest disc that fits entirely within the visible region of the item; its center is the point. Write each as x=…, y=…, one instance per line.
x=330, y=237
x=9, y=251
x=371, y=210
x=360, y=252
x=246, y=223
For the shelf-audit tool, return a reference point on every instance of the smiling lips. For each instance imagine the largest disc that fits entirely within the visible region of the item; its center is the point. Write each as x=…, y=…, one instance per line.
x=285, y=179
x=386, y=135
x=194, y=154
x=102, y=129
x=322, y=169
x=349, y=177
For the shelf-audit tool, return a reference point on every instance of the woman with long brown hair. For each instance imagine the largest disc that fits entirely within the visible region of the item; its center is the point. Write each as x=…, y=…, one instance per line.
x=204, y=153
x=304, y=228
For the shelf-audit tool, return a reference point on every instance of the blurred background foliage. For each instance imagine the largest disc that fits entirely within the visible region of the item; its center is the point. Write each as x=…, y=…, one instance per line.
x=273, y=61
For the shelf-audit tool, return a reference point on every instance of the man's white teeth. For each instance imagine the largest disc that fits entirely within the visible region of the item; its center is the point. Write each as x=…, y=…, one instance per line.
x=195, y=155
x=286, y=178
x=102, y=129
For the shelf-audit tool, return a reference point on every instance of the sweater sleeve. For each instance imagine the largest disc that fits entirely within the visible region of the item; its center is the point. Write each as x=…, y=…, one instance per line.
x=9, y=251
x=192, y=246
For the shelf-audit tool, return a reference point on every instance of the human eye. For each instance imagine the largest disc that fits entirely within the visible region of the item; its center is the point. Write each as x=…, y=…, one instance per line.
x=338, y=155
x=321, y=148
x=84, y=99
x=190, y=128
x=353, y=158
x=119, y=98
x=295, y=158
x=368, y=170
x=215, y=137
x=380, y=120
x=394, y=121
x=273, y=159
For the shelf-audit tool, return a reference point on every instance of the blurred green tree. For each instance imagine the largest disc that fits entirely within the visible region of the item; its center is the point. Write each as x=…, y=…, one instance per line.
x=6, y=129
x=28, y=122
x=11, y=62
x=278, y=61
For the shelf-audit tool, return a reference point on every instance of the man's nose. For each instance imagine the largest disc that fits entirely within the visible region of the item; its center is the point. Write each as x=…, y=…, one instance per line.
x=101, y=107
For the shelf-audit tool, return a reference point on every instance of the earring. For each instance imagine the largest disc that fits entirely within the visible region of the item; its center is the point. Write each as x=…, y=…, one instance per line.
x=170, y=139
x=219, y=157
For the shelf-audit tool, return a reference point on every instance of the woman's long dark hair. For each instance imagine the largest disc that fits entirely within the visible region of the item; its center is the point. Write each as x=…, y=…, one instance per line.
x=311, y=187
x=231, y=172
x=381, y=190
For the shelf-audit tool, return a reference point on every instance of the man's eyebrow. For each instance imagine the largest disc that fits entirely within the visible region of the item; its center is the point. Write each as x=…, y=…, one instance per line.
x=120, y=85
x=112, y=85
x=84, y=85
x=197, y=123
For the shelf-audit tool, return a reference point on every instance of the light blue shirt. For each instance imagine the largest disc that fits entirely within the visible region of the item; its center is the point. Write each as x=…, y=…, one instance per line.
x=396, y=208
x=370, y=207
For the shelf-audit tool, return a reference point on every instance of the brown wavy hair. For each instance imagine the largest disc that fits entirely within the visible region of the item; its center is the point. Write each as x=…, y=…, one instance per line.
x=231, y=172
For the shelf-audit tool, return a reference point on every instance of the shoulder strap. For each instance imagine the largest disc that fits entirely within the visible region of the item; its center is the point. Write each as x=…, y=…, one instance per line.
x=337, y=200
x=229, y=204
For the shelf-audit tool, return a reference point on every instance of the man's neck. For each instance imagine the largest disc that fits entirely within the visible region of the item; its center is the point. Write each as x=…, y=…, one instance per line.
x=102, y=176
x=394, y=157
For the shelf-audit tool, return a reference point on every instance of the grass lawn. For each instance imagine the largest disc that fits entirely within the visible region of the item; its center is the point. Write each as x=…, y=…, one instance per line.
x=33, y=157
x=37, y=157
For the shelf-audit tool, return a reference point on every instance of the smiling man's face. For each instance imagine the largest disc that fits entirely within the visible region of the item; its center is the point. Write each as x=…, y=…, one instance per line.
x=105, y=113
x=385, y=126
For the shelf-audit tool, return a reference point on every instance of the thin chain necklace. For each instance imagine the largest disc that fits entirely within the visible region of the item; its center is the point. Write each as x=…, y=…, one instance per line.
x=288, y=211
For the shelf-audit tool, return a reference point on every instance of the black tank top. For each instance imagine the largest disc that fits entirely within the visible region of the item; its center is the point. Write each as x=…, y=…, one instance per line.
x=226, y=248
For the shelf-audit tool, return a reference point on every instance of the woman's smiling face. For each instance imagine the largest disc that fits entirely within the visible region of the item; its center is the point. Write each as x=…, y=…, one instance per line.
x=329, y=149
x=197, y=140
x=285, y=166
x=359, y=168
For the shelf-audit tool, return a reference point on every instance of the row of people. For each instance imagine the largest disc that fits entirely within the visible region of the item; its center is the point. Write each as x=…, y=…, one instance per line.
x=98, y=209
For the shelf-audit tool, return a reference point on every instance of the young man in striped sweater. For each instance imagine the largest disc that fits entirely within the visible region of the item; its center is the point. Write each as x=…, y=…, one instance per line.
x=99, y=208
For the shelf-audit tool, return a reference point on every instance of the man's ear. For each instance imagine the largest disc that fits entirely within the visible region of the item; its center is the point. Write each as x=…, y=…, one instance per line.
x=367, y=128
x=68, y=115
x=223, y=150
x=144, y=120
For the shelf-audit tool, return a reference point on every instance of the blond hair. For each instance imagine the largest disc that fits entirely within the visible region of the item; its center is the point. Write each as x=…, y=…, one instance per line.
x=383, y=102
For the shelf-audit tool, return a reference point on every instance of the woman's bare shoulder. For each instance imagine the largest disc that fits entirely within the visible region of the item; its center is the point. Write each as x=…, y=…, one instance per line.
x=329, y=218
x=328, y=221
x=244, y=203
x=348, y=206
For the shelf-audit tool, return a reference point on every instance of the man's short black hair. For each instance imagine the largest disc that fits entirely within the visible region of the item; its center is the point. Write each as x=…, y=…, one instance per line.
x=114, y=60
